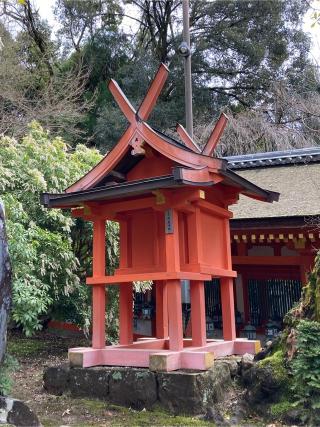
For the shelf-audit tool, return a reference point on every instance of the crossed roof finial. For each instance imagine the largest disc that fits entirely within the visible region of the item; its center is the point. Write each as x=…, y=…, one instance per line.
x=142, y=114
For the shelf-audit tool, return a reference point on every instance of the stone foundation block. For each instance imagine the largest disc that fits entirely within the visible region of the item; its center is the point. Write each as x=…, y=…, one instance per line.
x=192, y=392
x=180, y=392
x=90, y=382
x=136, y=388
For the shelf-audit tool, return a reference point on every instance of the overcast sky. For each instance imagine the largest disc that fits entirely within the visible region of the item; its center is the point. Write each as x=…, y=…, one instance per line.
x=46, y=11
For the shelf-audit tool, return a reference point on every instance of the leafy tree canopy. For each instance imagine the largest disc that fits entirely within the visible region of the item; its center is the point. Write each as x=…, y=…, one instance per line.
x=45, y=268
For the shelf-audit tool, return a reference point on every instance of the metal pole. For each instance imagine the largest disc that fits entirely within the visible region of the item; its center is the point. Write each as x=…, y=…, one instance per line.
x=187, y=69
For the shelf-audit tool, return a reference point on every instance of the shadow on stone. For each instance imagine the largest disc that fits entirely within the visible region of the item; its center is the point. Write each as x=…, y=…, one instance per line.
x=56, y=379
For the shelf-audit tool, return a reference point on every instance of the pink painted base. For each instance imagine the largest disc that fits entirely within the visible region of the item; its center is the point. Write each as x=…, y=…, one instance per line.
x=138, y=353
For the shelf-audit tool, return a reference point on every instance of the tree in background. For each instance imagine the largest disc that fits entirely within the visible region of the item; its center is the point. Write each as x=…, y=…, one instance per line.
x=82, y=21
x=33, y=83
x=239, y=50
x=243, y=47
x=289, y=120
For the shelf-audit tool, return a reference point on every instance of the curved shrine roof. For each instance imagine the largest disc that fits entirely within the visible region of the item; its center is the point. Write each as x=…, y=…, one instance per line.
x=165, y=161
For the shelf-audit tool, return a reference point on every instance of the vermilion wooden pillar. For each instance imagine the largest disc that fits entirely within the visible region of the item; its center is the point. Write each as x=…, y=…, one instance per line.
x=126, y=314
x=98, y=291
x=161, y=309
x=198, y=313
x=227, y=302
x=173, y=286
x=175, y=315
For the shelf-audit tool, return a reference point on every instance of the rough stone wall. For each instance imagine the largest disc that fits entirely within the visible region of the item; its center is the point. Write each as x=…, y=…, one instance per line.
x=180, y=392
x=5, y=284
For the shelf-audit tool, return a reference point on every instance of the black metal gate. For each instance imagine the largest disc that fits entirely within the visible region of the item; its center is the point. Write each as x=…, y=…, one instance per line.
x=271, y=298
x=213, y=301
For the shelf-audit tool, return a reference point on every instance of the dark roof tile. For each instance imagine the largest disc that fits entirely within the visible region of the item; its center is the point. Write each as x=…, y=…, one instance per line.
x=274, y=158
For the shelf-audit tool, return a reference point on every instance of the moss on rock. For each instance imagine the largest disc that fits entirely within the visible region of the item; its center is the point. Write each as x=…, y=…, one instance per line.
x=276, y=362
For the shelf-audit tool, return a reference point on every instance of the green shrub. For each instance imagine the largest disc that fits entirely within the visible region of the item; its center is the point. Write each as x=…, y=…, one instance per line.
x=306, y=365
x=49, y=250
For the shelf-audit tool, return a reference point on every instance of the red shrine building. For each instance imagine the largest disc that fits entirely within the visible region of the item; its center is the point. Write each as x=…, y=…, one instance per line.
x=273, y=245
x=172, y=201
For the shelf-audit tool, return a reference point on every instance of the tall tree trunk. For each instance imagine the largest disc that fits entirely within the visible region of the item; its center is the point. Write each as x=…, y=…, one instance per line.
x=5, y=284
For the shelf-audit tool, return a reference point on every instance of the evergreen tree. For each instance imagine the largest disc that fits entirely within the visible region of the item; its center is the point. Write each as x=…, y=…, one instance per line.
x=239, y=50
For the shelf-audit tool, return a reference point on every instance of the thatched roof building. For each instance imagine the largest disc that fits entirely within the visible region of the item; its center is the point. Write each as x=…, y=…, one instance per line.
x=273, y=245
x=295, y=174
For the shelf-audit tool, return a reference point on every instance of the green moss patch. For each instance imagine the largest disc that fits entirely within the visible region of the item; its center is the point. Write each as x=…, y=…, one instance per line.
x=276, y=363
x=129, y=417
x=280, y=408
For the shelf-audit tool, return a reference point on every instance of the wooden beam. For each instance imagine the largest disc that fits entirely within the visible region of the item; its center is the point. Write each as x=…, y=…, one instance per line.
x=118, y=175
x=216, y=210
x=153, y=93
x=186, y=138
x=266, y=260
x=123, y=278
x=227, y=303
x=215, y=135
x=127, y=205
x=122, y=101
x=311, y=237
x=175, y=315
x=161, y=310
x=126, y=314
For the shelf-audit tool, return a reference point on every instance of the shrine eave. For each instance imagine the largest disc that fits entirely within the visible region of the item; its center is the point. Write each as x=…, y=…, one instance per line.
x=274, y=222
x=127, y=189
x=249, y=189
x=145, y=186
